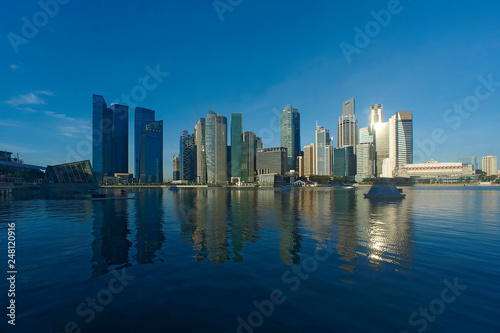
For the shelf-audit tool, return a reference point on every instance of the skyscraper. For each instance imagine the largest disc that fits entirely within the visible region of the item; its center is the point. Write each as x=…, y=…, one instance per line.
x=187, y=152
x=177, y=167
x=344, y=162
x=376, y=114
x=400, y=142
x=236, y=140
x=271, y=161
x=323, y=151
x=248, y=155
x=109, y=137
x=102, y=127
x=310, y=160
x=120, y=138
x=142, y=117
x=216, y=144
x=290, y=134
x=347, y=126
x=151, y=159
x=490, y=165
x=201, y=151
x=365, y=154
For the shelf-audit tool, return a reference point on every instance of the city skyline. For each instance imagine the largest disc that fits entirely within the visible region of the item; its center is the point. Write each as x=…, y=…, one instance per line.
x=406, y=60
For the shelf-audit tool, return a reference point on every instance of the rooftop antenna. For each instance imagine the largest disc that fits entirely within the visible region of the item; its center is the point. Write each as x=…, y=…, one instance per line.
x=316, y=123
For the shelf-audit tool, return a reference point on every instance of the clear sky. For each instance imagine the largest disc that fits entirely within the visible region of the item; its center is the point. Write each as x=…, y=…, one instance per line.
x=252, y=57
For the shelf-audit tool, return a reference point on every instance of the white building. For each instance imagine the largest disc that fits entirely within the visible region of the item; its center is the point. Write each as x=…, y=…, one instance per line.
x=490, y=165
x=433, y=169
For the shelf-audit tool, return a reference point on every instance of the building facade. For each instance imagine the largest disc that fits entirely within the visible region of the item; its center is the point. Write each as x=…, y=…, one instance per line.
x=151, y=159
x=344, y=162
x=142, y=118
x=433, y=169
x=323, y=152
x=247, y=159
x=490, y=165
x=187, y=149
x=109, y=137
x=310, y=160
x=290, y=134
x=216, y=147
x=470, y=160
x=347, y=126
x=272, y=161
x=201, y=151
x=236, y=142
x=177, y=167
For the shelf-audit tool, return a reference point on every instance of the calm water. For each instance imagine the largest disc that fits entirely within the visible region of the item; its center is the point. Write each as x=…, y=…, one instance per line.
x=246, y=260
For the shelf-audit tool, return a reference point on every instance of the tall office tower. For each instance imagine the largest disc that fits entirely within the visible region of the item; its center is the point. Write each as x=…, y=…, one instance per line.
x=490, y=165
x=142, y=118
x=109, y=137
x=345, y=162
x=310, y=160
x=236, y=140
x=380, y=133
x=400, y=143
x=187, y=149
x=300, y=164
x=102, y=136
x=365, y=154
x=323, y=151
x=290, y=134
x=259, y=143
x=376, y=114
x=201, y=151
x=272, y=161
x=469, y=160
x=247, y=159
x=177, y=167
x=347, y=126
x=120, y=138
x=216, y=145
x=151, y=159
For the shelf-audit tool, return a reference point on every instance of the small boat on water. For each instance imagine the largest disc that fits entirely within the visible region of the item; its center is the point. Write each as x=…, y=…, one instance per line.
x=384, y=192
x=173, y=188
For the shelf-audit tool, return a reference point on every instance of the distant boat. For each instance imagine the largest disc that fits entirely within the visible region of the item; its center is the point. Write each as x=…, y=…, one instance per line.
x=384, y=192
x=173, y=188
x=341, y=184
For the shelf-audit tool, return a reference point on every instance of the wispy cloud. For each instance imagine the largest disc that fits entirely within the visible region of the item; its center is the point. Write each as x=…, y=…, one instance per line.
x=10, y=123
x=32, y=98
x=15, y=149
x=79, y=129
x=14, y=67
x=58, y=115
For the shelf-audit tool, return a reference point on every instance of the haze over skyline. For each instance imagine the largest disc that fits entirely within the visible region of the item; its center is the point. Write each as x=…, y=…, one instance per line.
x=425, y=58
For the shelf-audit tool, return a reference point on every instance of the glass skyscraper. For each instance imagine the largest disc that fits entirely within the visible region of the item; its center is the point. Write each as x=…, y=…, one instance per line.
x=109, y=137
x=290, y=134
x=216, y=145
x=151, y=159
x=344, y=162
x=236, y=141
x=347, y=126
x=120, y=138
x=142, y=118
x=248, y=156
x=323, y=151
x=187, y=150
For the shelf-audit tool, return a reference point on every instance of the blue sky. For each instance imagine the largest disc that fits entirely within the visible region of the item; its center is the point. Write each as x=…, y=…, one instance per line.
x=261, y=56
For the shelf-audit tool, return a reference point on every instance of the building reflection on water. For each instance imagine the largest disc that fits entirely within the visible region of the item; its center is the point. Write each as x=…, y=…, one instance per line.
x=218, y=223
